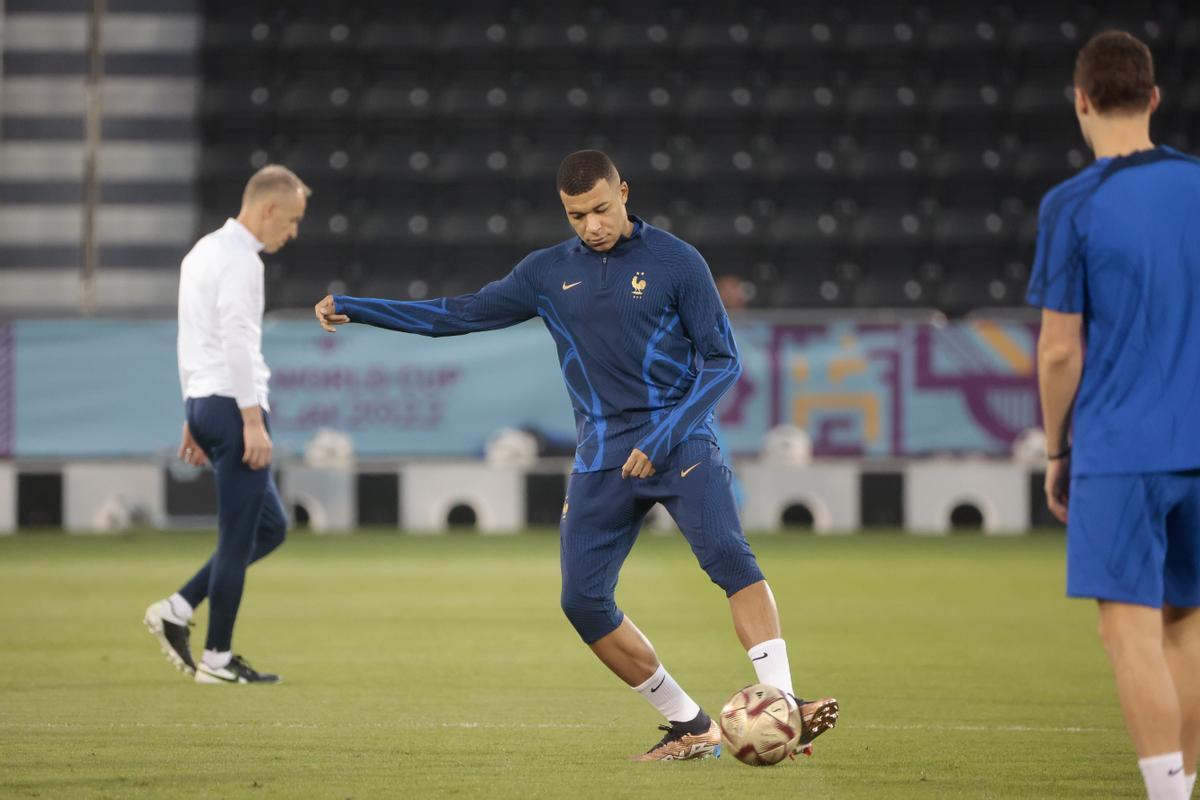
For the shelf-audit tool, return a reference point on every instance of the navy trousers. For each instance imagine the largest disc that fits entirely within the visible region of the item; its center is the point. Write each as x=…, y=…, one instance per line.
x=250, y=516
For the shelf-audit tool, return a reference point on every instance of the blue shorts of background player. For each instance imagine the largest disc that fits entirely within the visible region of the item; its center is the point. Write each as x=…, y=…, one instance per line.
x=604, y=512
x=1135, y=538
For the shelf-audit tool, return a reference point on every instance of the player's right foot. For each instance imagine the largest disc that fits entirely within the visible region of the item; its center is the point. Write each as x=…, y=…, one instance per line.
x=238, y=670
x=686, y=740
x=816, y=717
x=172, y=634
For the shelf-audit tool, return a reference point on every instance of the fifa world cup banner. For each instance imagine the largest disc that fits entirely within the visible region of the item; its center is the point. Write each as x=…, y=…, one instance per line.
x=109, y=388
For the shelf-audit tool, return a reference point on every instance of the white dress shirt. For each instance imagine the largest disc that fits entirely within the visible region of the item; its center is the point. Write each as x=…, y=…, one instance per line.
x=220, y=318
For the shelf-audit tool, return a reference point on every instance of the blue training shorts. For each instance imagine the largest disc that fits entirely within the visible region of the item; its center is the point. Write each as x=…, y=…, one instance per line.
x=603, y=514
x=1135, y=538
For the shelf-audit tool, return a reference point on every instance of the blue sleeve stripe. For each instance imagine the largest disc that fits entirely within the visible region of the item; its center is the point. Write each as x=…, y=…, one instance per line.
x=1069, y=200
x=710, y=385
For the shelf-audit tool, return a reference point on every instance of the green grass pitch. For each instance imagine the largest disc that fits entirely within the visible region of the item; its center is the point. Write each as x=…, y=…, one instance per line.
x=442, y=667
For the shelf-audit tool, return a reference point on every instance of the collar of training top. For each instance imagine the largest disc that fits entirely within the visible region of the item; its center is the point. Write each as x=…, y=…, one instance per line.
x=637, y=231
x=242, y=232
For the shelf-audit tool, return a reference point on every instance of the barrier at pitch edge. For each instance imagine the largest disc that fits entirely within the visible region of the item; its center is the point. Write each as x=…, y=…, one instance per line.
x=830, y=492
x=110, y=496
x=8, y=497
x=103, y=497
x=327, y=496
x=933, y=489
x=429, y=492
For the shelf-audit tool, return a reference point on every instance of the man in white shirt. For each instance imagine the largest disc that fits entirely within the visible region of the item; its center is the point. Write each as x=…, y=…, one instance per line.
x=224, y=381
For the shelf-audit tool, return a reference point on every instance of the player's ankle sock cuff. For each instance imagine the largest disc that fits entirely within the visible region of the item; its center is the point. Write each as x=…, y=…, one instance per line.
x=770, y=661
x=217, y=659
x=1163, y=775
x=662, y=692
x=698, y=724
x=180, y=607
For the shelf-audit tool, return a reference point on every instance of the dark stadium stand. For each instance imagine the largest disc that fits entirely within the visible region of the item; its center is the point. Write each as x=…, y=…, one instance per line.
x=833, y=154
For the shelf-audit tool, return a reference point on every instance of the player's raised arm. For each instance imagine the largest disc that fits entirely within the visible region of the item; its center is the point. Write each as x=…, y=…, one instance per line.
x=705, y=322
x=499, y=304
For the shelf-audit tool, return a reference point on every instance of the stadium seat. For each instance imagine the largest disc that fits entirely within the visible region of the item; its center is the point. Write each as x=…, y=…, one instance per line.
x=725, y=44
x=800, y=47
x=968, y=114
x=391, y=45
x=964, y=49
x=883, y=115
x=895, y=177
x=317, y=38
x=310, y=103
x=963, y=175
x=405, y=98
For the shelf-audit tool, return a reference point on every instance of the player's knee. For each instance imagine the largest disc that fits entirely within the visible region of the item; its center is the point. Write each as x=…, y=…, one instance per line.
x=274, y=534
x=733, y=570
x=1115, y=642
x=1127, y=642
x=593, y=618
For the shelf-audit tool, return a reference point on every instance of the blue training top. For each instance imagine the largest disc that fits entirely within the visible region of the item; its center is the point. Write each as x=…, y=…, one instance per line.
x=1119, y=243
x=643, y=340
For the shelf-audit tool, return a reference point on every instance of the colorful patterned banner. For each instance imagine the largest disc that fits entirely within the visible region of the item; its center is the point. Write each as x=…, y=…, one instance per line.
x=888, y=390
x=7, y=379
x=109, y=388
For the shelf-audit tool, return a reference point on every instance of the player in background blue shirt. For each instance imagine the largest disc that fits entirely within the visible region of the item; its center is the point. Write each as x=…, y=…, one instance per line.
x=1117, y=275
x=646, y=352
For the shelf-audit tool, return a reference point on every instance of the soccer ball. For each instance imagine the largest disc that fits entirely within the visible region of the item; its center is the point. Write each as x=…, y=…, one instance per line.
x=760, y=727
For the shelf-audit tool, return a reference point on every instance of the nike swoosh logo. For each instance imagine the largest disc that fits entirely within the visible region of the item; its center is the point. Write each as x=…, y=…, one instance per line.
x=570, y=285
x=1170, y=772
x=684, y=473
x=660, y=683
x=760, y=658
x=213, y=674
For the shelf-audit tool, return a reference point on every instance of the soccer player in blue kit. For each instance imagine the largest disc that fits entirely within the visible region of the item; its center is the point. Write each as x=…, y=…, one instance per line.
x=1118, y=269
x=646, y=352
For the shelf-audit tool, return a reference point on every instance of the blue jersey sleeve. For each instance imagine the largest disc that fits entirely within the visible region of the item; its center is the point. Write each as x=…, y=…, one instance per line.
x=706, y=324
x=501, y=303
x=1057, y=279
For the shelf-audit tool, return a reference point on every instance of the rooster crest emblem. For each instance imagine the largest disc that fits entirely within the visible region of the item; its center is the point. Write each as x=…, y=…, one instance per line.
x=639, y=284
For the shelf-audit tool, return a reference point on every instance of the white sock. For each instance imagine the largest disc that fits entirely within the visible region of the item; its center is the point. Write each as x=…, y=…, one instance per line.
x=218, y=659
x=771, y=664
x=1164, y=776
x=1189, y=782
x=180, y=607
x=662, y=692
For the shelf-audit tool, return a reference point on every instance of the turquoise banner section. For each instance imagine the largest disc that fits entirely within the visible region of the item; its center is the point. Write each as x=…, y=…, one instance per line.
x=109, y=387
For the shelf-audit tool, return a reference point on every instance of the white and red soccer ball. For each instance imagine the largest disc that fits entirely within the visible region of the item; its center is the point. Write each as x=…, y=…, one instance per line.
x=760, y=725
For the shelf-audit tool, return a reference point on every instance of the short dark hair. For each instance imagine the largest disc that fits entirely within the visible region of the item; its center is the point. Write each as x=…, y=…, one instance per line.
x=1116, y=72
x=580, y=171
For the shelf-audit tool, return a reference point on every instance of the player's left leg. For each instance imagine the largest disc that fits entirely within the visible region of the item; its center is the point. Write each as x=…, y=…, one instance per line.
x=696, y=489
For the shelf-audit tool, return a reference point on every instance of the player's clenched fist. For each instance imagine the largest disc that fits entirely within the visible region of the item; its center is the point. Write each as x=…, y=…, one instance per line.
x=638, y=465
x=327, y=316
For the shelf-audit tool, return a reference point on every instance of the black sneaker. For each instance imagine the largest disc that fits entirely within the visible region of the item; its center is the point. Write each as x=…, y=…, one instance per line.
x=816, y=717
x=172, y=634
x=699, y=738
x=238, y=670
